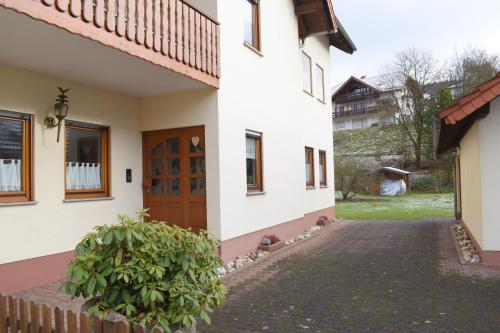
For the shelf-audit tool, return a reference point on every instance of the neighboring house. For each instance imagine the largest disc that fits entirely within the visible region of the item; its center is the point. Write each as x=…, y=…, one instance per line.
x=472, y=128
x=202, y=111
x=363, y=102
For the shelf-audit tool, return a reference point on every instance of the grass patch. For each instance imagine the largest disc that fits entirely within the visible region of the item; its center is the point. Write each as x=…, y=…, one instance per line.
x=413, y=206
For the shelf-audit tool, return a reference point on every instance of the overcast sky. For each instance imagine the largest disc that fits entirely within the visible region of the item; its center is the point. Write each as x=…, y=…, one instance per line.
x=380, y=28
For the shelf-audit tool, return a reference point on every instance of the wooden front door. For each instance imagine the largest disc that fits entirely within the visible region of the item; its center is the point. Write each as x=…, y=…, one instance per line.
x=174, y=176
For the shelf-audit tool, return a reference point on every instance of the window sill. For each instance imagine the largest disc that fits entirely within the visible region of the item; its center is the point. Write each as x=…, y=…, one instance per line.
x=88, y=199
x=253, y=49
x=323, y=186
x=254, y=193
x=310, y=187
x=18, y=203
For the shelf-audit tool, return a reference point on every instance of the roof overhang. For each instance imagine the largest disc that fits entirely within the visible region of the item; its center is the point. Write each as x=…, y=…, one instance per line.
x=316, y=18
x=395, y=170
x=452, y=124
x=349, y=80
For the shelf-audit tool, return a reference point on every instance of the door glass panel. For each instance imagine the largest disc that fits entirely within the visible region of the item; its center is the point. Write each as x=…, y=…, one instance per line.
x=157, y=187
x=198, y=186
x=173, y=166
x=158, y=150
x=195, y=148
x=173, y=146
x=156, y=167
x=197, y=164
x=174, y=186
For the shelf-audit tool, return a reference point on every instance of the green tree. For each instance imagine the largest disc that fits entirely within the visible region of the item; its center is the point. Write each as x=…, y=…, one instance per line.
x=472, y=67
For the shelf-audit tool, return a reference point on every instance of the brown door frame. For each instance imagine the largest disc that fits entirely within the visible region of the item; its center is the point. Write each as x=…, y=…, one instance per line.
x=185, y=154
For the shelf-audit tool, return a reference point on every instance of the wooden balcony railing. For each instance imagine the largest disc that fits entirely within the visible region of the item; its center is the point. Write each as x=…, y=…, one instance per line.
x=354, y=96
x=358, y=112
x=169, y=33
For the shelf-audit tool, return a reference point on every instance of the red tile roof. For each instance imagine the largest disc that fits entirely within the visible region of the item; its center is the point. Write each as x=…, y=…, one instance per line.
x=470, y=103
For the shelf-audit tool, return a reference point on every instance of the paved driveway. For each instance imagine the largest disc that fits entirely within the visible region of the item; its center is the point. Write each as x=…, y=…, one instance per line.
x=363, y=277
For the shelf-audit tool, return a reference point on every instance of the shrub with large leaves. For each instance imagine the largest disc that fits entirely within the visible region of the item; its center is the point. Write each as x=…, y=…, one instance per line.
x=149, y=272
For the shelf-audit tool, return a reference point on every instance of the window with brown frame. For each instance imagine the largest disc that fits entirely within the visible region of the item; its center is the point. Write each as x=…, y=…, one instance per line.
x=322, y=168
x=87, y=161
x=251, y=21
x=307, y=73
x=309, y=167
x=254, y=161
x=15, y=157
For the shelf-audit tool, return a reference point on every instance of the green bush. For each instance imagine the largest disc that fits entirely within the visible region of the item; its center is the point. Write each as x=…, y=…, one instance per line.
x=150, y=272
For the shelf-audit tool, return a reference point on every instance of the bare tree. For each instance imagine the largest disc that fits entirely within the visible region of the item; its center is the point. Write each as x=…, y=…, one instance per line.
x=351, y=177
x=410, y=75
x=471, y=67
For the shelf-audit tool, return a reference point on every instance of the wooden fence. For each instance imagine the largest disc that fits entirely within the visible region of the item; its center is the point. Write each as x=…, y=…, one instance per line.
x=18, y=315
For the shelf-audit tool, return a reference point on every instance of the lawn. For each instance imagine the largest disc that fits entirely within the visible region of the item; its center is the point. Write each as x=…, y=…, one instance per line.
x=413, y=206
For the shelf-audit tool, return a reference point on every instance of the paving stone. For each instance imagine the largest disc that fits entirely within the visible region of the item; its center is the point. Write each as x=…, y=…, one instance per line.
x=373, y=276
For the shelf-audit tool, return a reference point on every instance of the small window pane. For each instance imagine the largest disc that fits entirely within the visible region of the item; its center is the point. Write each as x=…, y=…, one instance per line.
x=309, y=159
x=322, y=167
x=248, y=19
x=251, y=144
x=198, y=186
x=320, y=84
x=173, y=146
x=156, y=167
x=173, y=166
x=198, y=148
x=306, y=68
x=174, y=186
x=84, y=159
x=197, y=164
x=158, y=150
x=157, y=187
x=11, y=150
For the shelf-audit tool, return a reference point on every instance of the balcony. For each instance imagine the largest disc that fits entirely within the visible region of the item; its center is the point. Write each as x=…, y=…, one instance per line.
x=358, y=112
x=139, y=47
x=354, y=96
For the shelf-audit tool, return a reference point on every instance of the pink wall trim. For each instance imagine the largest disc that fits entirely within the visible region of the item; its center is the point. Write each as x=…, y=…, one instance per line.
x=25, y=274
x=489, y=258
x=242, y=245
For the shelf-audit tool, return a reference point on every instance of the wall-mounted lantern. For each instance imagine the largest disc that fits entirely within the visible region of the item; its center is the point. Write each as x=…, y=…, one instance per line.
x=60, y=111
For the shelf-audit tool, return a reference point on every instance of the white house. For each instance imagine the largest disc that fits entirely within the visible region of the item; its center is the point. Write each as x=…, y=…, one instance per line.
x=363, y=102
x=209, y=113
x=471, y=128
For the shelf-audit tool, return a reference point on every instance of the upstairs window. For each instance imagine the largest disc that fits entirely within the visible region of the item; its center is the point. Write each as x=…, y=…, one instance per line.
x=307, y=73
x=320, y=83
x=251, y=21
x=15, y=157
x=254, y=161
x=322, y=167
x=309, y=166
x=87, y=160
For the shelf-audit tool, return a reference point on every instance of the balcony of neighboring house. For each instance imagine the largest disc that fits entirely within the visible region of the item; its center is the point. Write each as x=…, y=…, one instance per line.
x=136, y=47
x=339, y=113
x=355, y=96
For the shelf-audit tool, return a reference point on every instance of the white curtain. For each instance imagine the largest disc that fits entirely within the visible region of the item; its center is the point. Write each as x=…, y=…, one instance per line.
x=251, y=146
x=83, y=176
x=10, y=175
x=308, y=171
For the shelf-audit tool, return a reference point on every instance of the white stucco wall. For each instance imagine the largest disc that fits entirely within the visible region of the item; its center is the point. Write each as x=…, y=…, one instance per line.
x=470, y=178
x=489, y=138
x=194, y=108
x=264, y=93
x=52, y=226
